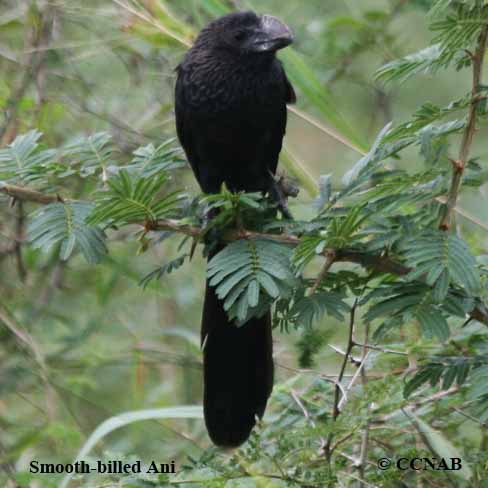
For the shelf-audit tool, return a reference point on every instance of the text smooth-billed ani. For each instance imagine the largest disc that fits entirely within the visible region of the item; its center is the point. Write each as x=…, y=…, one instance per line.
x=230, y=100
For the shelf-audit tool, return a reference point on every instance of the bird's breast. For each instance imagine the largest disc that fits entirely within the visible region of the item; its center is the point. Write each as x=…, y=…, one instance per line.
x=217, y=89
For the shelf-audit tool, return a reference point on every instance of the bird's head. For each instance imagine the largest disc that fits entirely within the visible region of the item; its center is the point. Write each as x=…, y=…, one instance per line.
x=248, y=33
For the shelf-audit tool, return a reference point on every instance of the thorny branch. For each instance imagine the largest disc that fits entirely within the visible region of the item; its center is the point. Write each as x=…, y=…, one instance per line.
x=379, y=263
x=467, y=139
x=338, y=391
x=302, y=115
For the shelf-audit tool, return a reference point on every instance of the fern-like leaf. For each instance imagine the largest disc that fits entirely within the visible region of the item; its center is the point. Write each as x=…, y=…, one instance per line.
x=66, y=224
x=421, y=62
x=93, y=154
x=456, y=32
x=165, y=269
x=442, y=259
x=22, y=160
x=249, y=271
x=402, y=303
x=311, y=309
x=150, y=160
x=133, y=200
x=444, y=370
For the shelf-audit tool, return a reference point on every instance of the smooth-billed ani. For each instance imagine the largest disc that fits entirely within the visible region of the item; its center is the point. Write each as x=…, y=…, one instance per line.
x=230, y=101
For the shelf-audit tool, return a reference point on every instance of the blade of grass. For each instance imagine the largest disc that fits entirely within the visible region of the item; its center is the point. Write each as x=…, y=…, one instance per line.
x=304, y=78
x=297, y=169
x=123, y=419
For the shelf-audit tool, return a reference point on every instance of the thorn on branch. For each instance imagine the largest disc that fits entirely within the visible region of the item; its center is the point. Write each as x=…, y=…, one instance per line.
x=468, y=134
x=378, y=263
x=457, y=164
x=469, y=53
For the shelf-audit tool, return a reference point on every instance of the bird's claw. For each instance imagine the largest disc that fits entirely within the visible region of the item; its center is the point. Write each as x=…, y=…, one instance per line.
x=280, y=190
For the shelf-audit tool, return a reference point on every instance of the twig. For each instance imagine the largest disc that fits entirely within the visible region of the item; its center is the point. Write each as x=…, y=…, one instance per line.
x=466, y=215
x=363, y=456
x=353, y=360
x=19, y=231
x=467, y=140
x=354, y=379
x=419, y=403
x=40, y=37
x=380, y=263
x=28, y=195
x=338, y=390
x=484, y=425
x=307, y=416
x=350, y=345
x=362, y=482
x=331, y=378
x=381, y=349
x=23, y=337
x=341, y=441
x=432, y=398
x=353, y=459
x=330, y=256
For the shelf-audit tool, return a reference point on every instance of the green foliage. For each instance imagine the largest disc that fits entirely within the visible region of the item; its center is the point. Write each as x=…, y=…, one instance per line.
x=312, y=340
x=447, y=371
x=404, y=304
x=325, y=192
x=92, y=154
x=421, y=62
x=443, y=259
x=23, y=161
x=456, y=33
x=460, y=29
x=362, y=169
x=81, y=343
x=137, y=199
x=306, y=311
x=150, y=160
x=479, y=390
x=247, y=273
x=65, y=225
x=334, y=232
x=167, y=268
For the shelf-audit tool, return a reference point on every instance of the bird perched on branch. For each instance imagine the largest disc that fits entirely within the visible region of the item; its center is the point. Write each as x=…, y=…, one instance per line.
x=230, y=102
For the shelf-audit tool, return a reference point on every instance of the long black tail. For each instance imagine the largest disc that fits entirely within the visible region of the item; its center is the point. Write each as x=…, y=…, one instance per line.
x=238, y=372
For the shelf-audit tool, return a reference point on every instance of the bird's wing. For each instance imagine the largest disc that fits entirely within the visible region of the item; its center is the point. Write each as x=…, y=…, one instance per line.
x=277, y=130
x=184, y=125
x=290, y=91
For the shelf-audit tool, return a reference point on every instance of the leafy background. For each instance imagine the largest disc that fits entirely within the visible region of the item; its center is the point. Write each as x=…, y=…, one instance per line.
x=84, y=342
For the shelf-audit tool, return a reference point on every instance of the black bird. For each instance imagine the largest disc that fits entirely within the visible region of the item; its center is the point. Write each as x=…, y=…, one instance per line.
x=230, y=101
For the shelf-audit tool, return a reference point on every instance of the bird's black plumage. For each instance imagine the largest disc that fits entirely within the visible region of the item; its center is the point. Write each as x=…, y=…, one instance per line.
x=230, y=101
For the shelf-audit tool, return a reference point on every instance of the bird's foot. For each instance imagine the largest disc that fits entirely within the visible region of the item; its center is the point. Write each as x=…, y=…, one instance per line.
x=282, y=188
x=211, y=233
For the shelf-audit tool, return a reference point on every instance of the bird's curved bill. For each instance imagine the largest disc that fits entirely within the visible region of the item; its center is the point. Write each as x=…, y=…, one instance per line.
x=273, y=35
